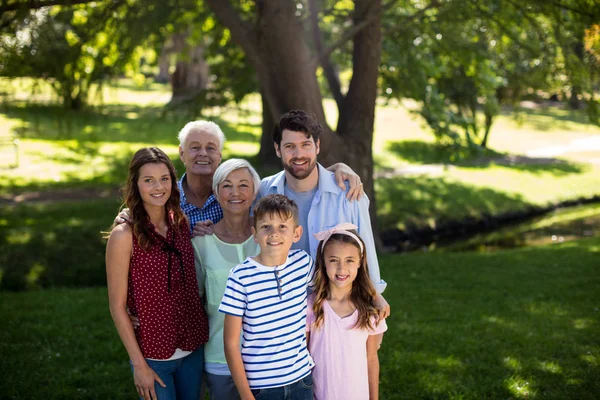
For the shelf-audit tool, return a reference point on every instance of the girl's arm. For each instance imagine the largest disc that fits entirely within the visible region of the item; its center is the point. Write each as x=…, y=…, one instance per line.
x=231, y=339
x=118, y=256
x=373, y=365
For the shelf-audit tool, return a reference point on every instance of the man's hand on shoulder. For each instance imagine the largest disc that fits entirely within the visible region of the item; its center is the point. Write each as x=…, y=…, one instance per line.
x=344, y=173
x=203, y=228
x=122, y=217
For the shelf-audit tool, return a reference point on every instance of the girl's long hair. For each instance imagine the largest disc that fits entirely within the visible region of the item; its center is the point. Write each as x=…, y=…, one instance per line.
x=138, y=217
x=363, y=292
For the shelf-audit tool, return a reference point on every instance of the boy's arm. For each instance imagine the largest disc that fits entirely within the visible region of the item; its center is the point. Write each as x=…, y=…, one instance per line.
x=231, y=339
x=373, y=365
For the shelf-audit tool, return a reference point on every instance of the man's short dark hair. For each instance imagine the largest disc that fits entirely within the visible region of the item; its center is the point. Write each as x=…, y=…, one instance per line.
x=297, y=121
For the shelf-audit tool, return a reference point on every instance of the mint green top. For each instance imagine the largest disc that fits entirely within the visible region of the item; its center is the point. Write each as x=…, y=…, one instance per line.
x=214, y=260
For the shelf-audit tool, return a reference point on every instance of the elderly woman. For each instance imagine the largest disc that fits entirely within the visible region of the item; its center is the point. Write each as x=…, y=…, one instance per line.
x=235, y=184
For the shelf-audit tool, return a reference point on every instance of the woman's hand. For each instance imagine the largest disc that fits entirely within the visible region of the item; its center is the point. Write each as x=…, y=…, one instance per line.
x=144, y=378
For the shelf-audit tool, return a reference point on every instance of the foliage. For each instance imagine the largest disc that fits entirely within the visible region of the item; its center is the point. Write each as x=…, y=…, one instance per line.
x=73, y=47
x=463, y=60
x=513, y=324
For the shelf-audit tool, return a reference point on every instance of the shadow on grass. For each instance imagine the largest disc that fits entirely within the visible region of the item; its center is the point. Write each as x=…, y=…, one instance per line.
x=415, y=201
x=54, y=245
x=110, y=123
x=547, y=118
x=419, y=152
x=516, y=324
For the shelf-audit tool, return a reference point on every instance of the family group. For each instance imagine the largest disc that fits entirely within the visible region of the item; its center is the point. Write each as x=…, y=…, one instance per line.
x=246, y=288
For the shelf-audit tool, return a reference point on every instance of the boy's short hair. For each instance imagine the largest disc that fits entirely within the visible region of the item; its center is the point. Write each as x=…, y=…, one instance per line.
x=276, y=203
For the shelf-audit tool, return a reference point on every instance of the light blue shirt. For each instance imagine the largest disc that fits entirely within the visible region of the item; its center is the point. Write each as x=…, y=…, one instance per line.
x=304, y=201
x=330, y=207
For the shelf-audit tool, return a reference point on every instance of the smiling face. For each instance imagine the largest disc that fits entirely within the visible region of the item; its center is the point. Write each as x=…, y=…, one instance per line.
x=154, y=184
x=236, y=192
x=298, y=153
x=275, y=234
x=200, y=153
x=342, y=261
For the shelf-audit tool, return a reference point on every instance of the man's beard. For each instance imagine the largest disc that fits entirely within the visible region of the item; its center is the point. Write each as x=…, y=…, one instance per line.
x=302, y=174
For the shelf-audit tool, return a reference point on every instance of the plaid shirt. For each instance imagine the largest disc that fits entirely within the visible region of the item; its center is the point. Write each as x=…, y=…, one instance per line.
x=211, y=210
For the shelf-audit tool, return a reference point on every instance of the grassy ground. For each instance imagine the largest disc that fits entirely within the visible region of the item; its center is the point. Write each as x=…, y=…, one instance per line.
x=518, y=324
x=61, y=149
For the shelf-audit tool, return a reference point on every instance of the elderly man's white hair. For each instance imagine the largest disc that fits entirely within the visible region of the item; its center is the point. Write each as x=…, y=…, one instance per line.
x=228, y=167
x=202, y=126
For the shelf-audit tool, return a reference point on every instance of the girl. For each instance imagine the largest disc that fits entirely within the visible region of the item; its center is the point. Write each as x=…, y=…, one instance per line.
x=343, y=331
x=150, y=271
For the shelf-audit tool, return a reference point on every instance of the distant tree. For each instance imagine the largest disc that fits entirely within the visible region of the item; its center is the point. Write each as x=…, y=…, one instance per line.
x=75, y=46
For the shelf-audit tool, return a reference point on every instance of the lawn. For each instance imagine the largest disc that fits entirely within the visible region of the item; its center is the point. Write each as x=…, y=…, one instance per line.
x=517, y=324
x=419, y=184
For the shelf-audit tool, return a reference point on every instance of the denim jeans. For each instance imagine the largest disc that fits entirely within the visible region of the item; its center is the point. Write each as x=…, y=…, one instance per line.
x=221, y=387
x=183, y=377
x=300, y=390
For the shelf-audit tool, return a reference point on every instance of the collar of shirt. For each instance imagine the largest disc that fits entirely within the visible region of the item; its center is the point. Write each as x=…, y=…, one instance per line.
x=326, y=182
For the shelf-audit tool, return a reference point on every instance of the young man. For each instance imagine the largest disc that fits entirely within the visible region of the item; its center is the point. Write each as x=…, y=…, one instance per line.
x=322, y=204
x=265, y=301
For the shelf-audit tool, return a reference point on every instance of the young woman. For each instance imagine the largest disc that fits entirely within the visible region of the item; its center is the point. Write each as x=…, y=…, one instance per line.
x=344, y=333
x=150, y=271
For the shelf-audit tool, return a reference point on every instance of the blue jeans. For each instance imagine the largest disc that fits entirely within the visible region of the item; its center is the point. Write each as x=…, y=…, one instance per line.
x=183, y=377
x=221, y=387
x=300, y=390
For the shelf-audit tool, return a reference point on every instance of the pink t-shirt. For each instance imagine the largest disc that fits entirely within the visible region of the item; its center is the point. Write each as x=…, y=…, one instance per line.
x=340, y=355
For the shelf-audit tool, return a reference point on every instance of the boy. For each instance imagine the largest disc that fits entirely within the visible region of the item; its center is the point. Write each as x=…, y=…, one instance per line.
x=265, y=301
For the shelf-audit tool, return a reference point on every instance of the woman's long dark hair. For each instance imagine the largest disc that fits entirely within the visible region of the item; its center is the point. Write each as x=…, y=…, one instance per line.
x=133, y=200
x=363, y=292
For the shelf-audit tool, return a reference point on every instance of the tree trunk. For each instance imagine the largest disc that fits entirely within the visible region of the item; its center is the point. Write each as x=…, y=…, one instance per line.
x=357, y=116
x=277, y=49
x=191, y=71
x=164, y=63
x=267, y=151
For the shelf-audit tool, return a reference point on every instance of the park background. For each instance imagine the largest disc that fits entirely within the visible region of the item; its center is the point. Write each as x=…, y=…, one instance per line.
x=474, y=125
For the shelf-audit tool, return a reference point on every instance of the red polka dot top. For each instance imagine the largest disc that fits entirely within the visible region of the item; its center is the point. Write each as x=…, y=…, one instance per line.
x=163, y=294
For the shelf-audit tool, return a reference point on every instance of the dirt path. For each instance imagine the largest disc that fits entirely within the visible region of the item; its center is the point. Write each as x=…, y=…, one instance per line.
x=543, y=156
x=53, y=196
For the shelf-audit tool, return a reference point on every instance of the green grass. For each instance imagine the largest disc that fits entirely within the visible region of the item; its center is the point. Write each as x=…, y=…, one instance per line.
x=64, y=149
x=54, y=245
x=518, y=324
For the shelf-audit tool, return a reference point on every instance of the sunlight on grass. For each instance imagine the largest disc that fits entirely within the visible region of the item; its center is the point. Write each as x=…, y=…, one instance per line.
x=500, y=321
x=512, y=364
x=546, y=309
x=519, y=387
x=33, y=275
x=18, y=237
x=449, y=362
x=591, y=359
x=242, y=148
x=551, y=367
x=583, y=323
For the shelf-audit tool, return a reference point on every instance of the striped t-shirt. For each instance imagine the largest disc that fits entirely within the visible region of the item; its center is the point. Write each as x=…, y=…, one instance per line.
x=272, y=304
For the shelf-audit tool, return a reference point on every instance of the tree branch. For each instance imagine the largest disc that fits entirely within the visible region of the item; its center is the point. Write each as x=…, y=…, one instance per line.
x=355, y=29
x=241, y=32
x=36, y=4
x=328, y=69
